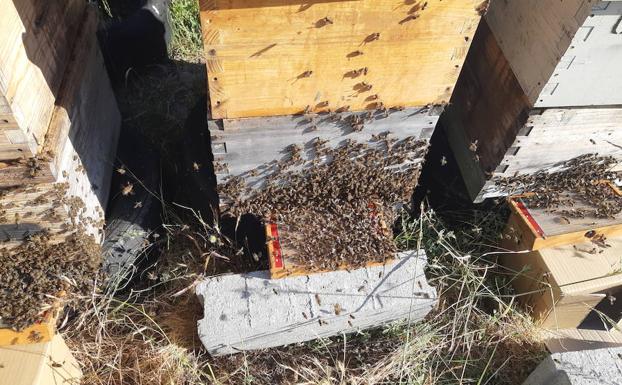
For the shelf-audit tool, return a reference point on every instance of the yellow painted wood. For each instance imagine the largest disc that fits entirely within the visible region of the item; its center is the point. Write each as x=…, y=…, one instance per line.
x=276, y=57
x=49, y=363
x=37, y=333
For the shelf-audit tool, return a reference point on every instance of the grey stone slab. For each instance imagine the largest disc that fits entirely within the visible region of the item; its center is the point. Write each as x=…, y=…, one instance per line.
x=252, y=311
x=587, y=367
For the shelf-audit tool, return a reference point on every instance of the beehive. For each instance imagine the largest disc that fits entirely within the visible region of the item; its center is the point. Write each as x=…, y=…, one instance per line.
x=36, y=40
x=69, y=180
x=282, y=57
x=516, y=51
x=561, y=285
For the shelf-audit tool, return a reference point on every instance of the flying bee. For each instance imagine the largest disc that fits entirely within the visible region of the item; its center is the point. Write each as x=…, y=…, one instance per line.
x=127, y=189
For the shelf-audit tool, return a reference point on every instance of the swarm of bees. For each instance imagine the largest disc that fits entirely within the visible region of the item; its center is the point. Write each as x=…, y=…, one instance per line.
x=579, y=180
x=26, y=288
x=333, y=211
x=67, y=258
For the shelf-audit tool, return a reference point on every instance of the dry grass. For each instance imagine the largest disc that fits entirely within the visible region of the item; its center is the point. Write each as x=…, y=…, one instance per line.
x=148, y=335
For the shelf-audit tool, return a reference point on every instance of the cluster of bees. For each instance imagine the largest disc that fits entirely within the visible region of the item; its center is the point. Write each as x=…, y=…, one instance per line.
x=28, y=289
x=67, y=258
x=579, y=180
x=334, y=205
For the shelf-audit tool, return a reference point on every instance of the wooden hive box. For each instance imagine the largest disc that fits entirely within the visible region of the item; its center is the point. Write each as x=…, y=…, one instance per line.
x=69, y=182
x=514, y=54
x=563, y=284
x=36, y=40
x=578, y=110
x=282, y=57
x=46, y=363
x=532, y=228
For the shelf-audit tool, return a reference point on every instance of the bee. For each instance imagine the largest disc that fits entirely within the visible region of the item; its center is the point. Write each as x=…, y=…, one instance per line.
x=35, y=336
x=121, y=170
x=355, y=54
x=317, y=299
x=473, y=146
x=408, y=18
x=305, y=74
x=337, y=309
x=343, y=109
x=196, y=166
x=373, y=37
x=127, y=189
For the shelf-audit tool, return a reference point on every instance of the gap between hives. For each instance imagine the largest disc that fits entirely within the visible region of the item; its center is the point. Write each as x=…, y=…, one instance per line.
x=334, y=207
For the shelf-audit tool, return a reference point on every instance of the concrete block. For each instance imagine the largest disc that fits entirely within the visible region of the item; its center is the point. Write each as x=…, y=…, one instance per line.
x=587, y=367
x=252, y=311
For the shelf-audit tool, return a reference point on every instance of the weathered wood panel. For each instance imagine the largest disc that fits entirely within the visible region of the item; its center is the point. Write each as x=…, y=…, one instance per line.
x=534, y=34
x=243, y=145
x=36, y=38
x=276, y=57
x=557, y=135
x=74, y=182
x=487, y=109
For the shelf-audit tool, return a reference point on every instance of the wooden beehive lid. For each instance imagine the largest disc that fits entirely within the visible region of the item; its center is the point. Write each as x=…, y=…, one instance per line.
x=267, y=57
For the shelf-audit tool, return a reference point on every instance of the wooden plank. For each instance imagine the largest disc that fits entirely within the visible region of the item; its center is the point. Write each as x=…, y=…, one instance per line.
x=247, y=144
x=556, y=135
x=36, y=38
x=487, y=109
x=534, y=34
x=73, y=185
x=312, y=53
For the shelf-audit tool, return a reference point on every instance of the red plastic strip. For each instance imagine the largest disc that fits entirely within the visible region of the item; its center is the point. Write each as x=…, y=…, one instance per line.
x=276, y=245
x=525, y=212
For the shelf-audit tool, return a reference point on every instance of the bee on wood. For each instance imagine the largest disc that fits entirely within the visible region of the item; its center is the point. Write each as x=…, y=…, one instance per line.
x=337, y=309
x=35, y=336
x=355, y=54
x=323, y=22
x=317, y=299
x=408, y=18
x=305, y=74
x=373, y=37
x=343, y=109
